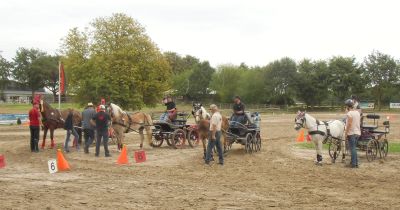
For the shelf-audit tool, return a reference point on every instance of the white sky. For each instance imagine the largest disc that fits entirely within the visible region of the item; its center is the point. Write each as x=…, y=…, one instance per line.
x=221, y=31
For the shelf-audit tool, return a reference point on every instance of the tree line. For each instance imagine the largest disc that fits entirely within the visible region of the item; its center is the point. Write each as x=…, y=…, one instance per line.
x=114, y=58
x=285, y=81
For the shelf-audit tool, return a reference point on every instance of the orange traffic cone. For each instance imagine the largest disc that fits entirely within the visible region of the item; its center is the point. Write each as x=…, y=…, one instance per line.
x=300, y=137
x=123, y=157
x=62, y=164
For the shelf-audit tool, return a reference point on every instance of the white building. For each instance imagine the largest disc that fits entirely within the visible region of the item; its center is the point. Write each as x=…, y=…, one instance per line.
x=15, y=93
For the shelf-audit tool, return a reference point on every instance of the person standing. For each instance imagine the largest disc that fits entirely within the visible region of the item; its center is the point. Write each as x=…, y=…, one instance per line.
x=353, y=131
x=69, y=127
x=102, y=120
x=34, y=127
x=215, y=135
x=88, y=128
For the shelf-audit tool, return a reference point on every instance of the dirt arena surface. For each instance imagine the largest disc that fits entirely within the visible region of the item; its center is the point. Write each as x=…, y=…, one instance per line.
x=280, y=176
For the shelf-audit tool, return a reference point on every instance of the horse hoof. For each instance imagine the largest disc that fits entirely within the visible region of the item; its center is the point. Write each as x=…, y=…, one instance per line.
x=318, y=163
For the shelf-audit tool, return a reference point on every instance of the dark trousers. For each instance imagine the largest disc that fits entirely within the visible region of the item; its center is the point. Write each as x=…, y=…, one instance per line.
x=236, y=118
x=102, y=134
x=88, y=134
x=76, y=137
x=211, y=144
x=35, y=130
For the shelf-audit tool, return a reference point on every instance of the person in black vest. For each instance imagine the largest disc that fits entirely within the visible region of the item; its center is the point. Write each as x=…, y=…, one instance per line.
x=238, y=110
x=102, y=121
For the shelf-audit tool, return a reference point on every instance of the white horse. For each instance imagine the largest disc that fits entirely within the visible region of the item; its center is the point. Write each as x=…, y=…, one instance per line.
x=322, y=131
x=122, y=122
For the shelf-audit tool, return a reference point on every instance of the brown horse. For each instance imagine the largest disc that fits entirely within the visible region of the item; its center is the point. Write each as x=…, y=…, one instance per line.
x=53, y=119
x=123, y=122
x=202, y=118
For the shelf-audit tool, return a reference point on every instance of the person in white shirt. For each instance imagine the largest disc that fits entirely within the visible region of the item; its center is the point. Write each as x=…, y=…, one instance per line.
x=215, y=135
x=353, y=131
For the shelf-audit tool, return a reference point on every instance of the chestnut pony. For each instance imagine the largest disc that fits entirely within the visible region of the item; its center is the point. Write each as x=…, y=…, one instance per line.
x=53, y=119
x=202, y=118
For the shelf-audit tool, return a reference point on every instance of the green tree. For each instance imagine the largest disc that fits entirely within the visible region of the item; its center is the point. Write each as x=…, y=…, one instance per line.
x=5, y=70
x=51, y=74
x=115, y=58
x=382, y=73
x=312, y=82
x=199, y=80
x=345, y=77
x=29, y=68
x=280, y=78
x=251, y=85
x=226, y=82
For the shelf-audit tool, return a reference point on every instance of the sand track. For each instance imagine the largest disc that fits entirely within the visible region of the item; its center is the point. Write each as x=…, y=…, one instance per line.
x=279, y=176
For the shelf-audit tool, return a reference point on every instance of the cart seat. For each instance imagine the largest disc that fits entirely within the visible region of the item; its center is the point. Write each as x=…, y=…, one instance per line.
x=369, y=127
x=379, y=132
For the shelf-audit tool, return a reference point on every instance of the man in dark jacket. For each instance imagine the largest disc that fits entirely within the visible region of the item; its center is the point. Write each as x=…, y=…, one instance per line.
x=69, y=126
x=102, y=120
x=88, y=128
x=238, y=110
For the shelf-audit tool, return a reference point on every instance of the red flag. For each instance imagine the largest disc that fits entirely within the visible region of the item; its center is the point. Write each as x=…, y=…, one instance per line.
x=62, y=79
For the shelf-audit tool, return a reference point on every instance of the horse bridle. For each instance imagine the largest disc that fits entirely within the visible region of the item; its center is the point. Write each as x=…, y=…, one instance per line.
x=303, y=121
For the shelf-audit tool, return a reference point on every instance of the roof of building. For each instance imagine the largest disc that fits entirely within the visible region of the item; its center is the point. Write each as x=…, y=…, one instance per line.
x=16, y=86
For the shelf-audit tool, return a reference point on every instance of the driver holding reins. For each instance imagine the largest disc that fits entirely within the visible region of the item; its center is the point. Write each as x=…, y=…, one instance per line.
x=170, y=113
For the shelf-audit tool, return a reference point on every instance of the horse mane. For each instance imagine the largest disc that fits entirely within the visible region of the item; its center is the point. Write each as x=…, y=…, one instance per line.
x=116, y=110
x=204, y=113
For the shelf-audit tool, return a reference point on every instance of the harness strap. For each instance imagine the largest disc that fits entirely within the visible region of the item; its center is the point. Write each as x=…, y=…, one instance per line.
x=129, y=123
x=317, y=132
x=328, y=130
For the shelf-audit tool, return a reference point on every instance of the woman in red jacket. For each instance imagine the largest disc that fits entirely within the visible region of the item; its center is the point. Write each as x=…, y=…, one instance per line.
x=34, y=126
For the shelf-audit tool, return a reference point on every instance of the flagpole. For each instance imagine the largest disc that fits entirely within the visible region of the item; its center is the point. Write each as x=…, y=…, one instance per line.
x=59, y=85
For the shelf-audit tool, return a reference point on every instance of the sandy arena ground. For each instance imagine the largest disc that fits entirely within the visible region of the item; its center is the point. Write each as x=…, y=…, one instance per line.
x=280, y=176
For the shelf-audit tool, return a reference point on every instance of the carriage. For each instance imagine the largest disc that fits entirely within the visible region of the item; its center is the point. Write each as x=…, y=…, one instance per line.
x=175, y=133
x=373, y=141
x=246, y=133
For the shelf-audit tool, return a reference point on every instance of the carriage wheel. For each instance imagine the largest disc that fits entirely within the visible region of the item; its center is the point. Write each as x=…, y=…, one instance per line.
x=178, y=138
x=334, y=149
x=384, y=146
x=249, y=142
x=258, y=141
x=372, y=150
x=193, y=138
x=157, y=141
x=168, y=140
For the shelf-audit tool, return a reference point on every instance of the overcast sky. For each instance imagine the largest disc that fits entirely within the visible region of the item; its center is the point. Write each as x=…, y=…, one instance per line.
x=220, y=31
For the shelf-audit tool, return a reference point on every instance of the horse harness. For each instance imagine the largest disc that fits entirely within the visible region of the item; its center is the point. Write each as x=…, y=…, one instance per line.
x=322, y=133
x=130, y=123
x=328, y=130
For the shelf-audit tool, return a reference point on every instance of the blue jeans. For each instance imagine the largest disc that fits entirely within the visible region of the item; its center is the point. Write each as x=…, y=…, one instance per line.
x=212, y=144
x=237, y=119
x=353, y=149
x=76, y=137
x=164, y=117
x=102, y=134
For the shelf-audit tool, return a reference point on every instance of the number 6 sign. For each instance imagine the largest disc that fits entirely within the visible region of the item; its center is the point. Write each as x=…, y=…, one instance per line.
x=140, y=156
x=52, y=166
